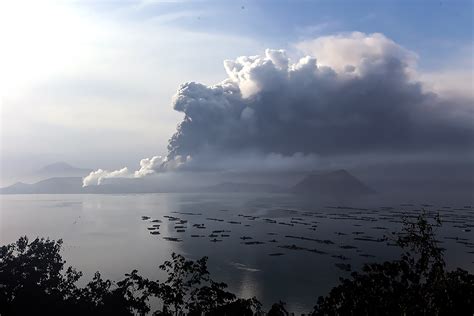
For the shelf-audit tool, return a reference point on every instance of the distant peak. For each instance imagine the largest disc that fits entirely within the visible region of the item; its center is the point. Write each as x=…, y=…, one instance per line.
x=59, y=164
x=333, y=173
x=59, y=168
x=19, y=183
x=340, y=172
x=336, y=183
x=319, y=172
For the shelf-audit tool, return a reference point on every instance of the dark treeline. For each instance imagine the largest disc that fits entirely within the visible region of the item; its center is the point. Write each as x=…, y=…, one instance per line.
x=34, y=280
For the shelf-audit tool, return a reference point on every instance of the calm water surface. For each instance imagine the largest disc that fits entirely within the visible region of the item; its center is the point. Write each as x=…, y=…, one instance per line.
x=107, y=233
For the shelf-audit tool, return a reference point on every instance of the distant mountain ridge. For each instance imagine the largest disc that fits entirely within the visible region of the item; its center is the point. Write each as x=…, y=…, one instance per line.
x=240, y=187
x=47, y=178
x=62, y=169
x=59, y=185
x=337, y=183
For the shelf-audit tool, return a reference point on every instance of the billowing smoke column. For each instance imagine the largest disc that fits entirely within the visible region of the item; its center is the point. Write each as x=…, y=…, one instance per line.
x=360, y=98
x=147, y=166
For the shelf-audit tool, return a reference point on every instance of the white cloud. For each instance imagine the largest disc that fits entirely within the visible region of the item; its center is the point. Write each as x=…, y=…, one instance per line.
x=356, y=96
x=100, y=79
x=355, y=93
x=339, y=51
x=148, y=166
x=96, y=177
x=450, y=83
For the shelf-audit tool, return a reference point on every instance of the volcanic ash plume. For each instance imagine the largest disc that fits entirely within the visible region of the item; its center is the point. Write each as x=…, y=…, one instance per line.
x=361, y=97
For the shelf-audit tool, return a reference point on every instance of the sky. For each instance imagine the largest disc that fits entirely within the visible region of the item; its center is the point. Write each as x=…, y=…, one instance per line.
x=97, y=83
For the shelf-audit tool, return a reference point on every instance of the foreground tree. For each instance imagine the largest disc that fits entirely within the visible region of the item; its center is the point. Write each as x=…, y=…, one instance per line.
x=189, y=290
x=278, y=309
x=417, y=284
x=34, y=280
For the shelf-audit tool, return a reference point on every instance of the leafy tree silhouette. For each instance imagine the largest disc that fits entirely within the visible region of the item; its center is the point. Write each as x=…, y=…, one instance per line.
x=127, y=297
x=417, y=284
x=33, y=280
x=278, y=309
x=189, y=289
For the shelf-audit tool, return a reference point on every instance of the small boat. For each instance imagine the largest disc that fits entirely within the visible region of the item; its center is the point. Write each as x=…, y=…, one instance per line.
x=253, y=242
x=292, y=247
x=171, y=239
x=319, y=252
x=347, y=247
x=234, y=222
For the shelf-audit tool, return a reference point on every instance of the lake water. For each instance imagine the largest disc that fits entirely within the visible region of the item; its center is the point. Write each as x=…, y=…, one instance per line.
x=274, y=247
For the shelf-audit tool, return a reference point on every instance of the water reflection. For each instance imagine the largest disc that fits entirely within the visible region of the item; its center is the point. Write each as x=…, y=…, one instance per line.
x=271, y=246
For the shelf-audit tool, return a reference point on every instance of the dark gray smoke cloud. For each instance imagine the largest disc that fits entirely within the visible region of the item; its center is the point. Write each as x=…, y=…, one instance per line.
x=361, y=99
x=270, y=106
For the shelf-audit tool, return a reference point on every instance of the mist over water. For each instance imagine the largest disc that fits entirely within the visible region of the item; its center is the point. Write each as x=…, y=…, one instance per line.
x=290, y=142
x=107, y=233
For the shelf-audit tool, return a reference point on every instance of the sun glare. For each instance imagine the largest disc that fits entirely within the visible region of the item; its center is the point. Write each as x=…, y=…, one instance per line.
x=39, y=40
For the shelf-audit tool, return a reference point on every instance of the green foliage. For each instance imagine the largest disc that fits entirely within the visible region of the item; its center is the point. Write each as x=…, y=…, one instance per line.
x=30, y=275
x=278, y=309
x=417, y=284
x=189, y=289
x=127, y=297
x=33, y=279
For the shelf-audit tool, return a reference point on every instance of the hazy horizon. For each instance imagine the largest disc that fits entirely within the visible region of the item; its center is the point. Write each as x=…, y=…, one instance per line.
x=135, y=88
x=249, y=157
